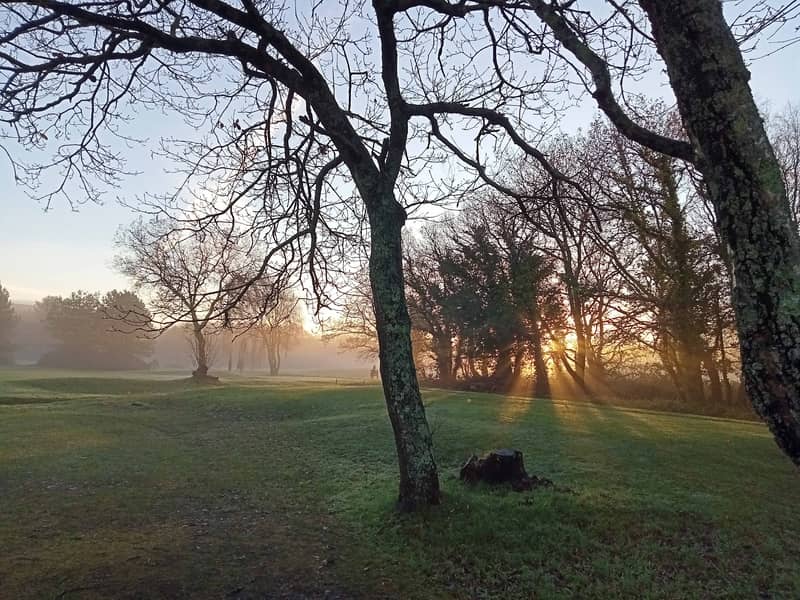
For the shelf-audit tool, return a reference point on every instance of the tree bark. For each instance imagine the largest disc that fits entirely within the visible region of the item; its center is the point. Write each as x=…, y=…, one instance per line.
x=419, y=481
x=691, y=375
x=201, y=352
x=710, y=81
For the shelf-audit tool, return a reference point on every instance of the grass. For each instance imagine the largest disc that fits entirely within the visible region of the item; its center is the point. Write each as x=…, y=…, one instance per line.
x=149, y=487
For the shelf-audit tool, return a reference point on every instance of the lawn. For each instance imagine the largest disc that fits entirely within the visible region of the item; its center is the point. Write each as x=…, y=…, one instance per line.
x=126, y=486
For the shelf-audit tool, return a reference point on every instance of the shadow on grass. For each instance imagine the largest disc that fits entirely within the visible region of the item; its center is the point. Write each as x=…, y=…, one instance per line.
x=277, y=491
x=552, y=544
x=104, y=386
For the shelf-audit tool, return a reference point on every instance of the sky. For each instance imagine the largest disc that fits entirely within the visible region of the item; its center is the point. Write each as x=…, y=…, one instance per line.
x=68, y=248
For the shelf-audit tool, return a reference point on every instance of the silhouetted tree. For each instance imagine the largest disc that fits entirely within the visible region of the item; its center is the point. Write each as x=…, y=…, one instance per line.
x=354, y=326
x=270, y=316
x=671, y=276
x=428, y=305
x=188, y=276
x=480, y=281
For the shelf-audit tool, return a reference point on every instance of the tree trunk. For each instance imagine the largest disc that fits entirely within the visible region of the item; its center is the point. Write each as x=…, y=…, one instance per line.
x=580, y=357
x=444, y=357
x=519, y=365
x=242, y=355
x=419, y=481
x=713, y=376
x=690, y=373
x=710, y=81
x=273, y=356
x=200, y=353
x=576, y=312
x=457, y=360
x=541, y=382
x=503, y=369
x=719, y=333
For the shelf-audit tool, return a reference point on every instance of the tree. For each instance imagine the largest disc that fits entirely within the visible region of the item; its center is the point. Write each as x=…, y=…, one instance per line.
x=566, y=224
x=427, y=301
x=188, y=276
x=270, y=315
x=354, y=327
x=671, y=276
x=8, y=320
x=96, y=332
x=728, y=144
x=482, y=292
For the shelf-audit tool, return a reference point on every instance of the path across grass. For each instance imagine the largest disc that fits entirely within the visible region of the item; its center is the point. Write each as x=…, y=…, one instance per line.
x=148, y=487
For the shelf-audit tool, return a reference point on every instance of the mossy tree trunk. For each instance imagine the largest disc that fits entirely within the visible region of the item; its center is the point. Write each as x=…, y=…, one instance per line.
x=710, y=81
x=419, y=482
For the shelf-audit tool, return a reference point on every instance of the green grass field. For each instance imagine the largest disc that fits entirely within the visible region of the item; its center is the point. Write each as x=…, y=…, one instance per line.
x=148, y=487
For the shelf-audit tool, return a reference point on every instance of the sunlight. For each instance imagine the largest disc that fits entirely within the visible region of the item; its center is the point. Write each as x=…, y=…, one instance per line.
x=513, y=409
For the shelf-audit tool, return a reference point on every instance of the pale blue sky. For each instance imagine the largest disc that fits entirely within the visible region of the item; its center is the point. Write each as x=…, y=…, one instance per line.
x=62, y=250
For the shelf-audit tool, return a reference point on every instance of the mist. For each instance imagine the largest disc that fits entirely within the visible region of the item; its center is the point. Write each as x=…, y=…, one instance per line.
x=309, y=354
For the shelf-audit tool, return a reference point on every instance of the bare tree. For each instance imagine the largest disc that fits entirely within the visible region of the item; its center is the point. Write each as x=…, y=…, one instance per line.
x=354, y=326
x=187, y=275
x=270, y=315
x=727, y=143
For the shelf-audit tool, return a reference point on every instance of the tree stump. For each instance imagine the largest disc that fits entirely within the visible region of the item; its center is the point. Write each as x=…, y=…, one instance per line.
x=501, y=466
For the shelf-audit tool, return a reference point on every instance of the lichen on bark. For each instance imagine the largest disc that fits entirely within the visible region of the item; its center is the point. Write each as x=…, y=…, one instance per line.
x=419, y=482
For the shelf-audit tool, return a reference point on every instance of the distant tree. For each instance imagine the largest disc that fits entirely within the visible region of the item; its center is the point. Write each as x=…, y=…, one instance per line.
x=8, y=320
x=93, y=331
x=565, y=220
x=268, y=315
x=671, y=277
x=278, y=330
x=188, y=277
x=428, y=305
x=485, y=295
x=128, y=324
x=354, y=327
